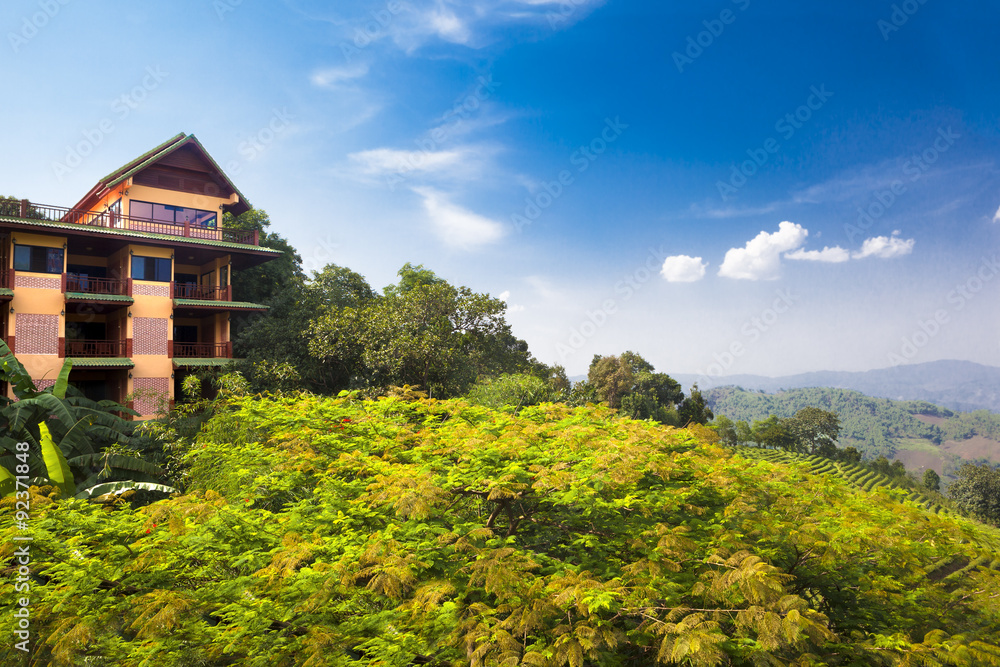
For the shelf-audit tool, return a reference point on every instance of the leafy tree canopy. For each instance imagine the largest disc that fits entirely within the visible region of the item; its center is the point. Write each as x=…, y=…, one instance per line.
x=398, y=532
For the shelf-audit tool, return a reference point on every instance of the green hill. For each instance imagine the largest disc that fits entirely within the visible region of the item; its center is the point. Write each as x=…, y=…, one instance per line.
x=918, y=433
x=345, y=532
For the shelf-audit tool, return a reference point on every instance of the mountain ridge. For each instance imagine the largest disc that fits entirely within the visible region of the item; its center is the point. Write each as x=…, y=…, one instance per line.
x=964, y=386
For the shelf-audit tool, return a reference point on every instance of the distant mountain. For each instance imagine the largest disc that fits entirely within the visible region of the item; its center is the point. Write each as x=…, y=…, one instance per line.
x=957, y=385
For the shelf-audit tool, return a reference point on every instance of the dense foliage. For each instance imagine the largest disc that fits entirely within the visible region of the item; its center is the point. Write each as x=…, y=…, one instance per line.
x=396, y=532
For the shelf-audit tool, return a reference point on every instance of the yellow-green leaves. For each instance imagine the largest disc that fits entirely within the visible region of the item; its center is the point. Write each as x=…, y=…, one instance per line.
x=55, y=463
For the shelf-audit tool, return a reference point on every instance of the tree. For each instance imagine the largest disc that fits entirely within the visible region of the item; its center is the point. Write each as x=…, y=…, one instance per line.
x=694, y=409
x=262, y=283
x=726, y=429
x=815, y=431
x=275, y=347
x=932, y=481
x=424, y=332
x=628, y=383
x=976, y=490
x=773, y=433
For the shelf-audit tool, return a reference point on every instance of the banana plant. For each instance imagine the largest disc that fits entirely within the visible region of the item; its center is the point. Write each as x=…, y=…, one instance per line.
x=67, y=435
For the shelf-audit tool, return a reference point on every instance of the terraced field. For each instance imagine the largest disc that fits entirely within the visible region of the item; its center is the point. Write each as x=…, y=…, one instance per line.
x=867, y=480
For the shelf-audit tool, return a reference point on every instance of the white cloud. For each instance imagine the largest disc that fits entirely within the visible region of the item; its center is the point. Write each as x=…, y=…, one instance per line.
x=683, y=269
x=333, y=77
x=457, y=226
x=885, y=247
x=832, y=255
x=760, y=259
x=996, y=216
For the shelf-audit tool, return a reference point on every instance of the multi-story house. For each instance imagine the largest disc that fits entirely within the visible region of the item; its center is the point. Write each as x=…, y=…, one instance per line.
x=133, y=283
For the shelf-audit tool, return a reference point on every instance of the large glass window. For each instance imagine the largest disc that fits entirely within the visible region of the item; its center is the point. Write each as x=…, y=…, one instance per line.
x=177, y=215
x=151, y=268
x=38, y=259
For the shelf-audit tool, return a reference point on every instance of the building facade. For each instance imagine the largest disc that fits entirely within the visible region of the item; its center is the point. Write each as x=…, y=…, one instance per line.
x=133, y=283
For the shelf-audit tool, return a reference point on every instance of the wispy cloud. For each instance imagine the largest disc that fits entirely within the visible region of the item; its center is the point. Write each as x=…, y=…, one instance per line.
x=683, y=269
x=457, y=226
x=382, y=161
x=760, y=259
x=996, y=216
x=885, y=247
x=832, y=255
x=334, y=77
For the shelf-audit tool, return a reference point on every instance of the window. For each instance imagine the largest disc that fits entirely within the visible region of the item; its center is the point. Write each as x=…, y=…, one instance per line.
x=151, y=268
x=38, y=259
x=177, y=215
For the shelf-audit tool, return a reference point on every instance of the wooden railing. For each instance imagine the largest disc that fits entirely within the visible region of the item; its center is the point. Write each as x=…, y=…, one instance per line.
x=201, y=292
x=88, y=285
x=96, y=348
x=112, y=220
x=202, y=350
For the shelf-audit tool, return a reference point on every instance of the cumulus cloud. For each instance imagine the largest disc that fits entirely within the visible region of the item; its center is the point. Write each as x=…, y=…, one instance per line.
x=885, y=247
x=457, y=226
x=832, y=255
x=683, y=269
x=760, y=259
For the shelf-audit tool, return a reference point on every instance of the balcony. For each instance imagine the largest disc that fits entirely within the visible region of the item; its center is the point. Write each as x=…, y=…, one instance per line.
x=116, y=221
x=200, y=292
x=96, y=348
x=202, y=350
x=99, y=286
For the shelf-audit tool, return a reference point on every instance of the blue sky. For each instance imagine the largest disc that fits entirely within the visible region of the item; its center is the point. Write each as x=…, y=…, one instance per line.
x=725, y=187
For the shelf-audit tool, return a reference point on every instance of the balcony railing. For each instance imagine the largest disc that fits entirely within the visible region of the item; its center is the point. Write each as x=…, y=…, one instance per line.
x=112, y=220
x=88, y=285
x=201, y=292
x=96, y=348
x=202, y=350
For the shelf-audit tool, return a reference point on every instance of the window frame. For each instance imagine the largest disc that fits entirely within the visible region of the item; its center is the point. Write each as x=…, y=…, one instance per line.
x=33, y=263
x=157, y=265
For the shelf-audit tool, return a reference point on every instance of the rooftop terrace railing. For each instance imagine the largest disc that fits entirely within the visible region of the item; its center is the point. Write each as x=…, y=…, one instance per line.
x=112, y=220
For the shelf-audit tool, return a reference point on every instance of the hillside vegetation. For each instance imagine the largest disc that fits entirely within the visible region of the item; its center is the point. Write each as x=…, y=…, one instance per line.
x=322, y=531
x=875, y=426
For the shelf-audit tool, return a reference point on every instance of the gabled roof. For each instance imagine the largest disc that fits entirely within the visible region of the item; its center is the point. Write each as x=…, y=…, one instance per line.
x=153, y=156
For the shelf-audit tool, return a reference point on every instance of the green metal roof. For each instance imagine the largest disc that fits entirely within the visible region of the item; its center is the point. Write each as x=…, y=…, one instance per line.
x=101, y=362
x=178, y=363
x=238, y=305
x=138, y=235
x=6, y=291
x=84, y=296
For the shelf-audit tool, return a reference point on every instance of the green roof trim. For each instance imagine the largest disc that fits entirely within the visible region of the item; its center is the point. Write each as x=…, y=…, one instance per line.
x=101, y=362
x=138, y=235
x=238, y=305
x=6, y=291
x=144, y=157
x=178, y=363
x=84, y=296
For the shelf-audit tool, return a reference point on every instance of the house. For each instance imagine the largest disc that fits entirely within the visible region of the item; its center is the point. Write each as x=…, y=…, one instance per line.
x=133, y=283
